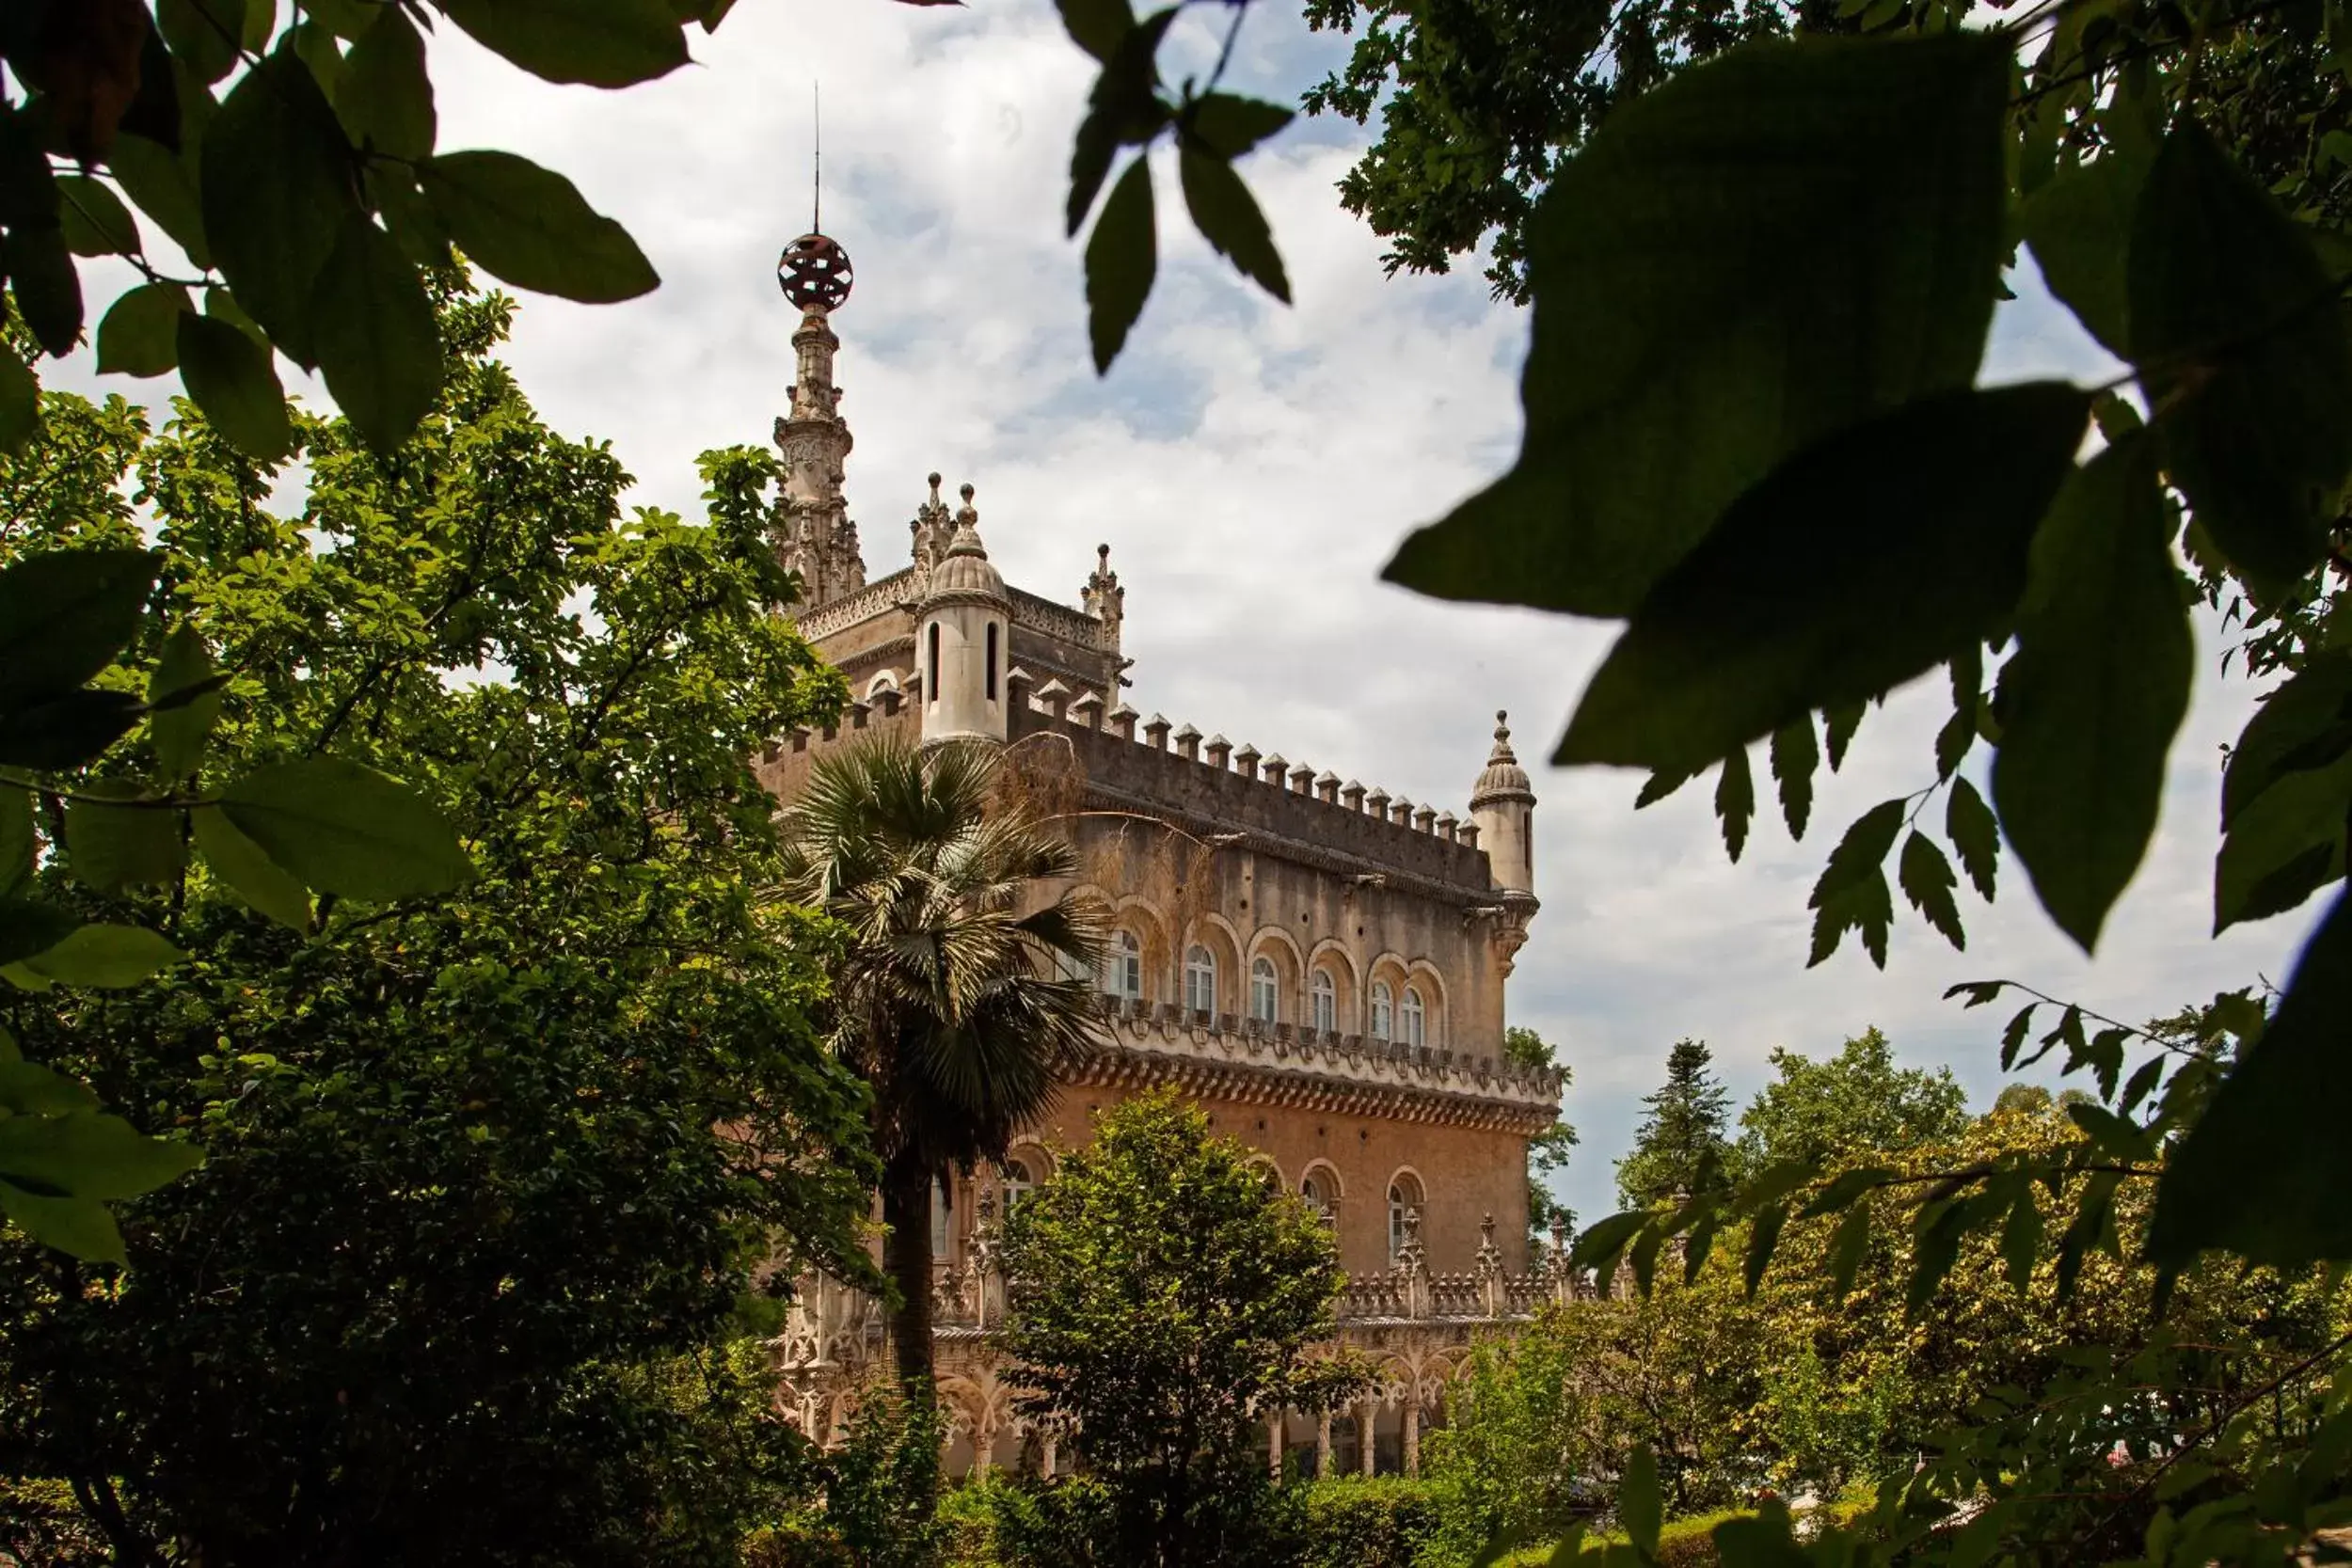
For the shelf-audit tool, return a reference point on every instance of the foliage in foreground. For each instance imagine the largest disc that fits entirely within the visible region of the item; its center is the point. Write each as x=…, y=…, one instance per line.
x=1163, y=1300
x=488, y=1176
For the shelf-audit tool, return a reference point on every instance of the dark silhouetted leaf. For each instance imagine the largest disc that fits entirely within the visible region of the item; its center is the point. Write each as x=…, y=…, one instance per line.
x=1848, y=1244
x=165, y=187
x=385, y=98
x=1122, y=256
x=247, y=869
x=67, y=730
x=1735, y=801
x=1844, y=1188
x=2283, y=844
x=2263, y=1173
x=2021, y=1238
x=139, y=334
x=278, y=183
x=347, y=829
x=204, y=34
x=93, y=220
x=2238, y=335
x=530, y=227
x=104, y=958
x=2079, y=228
x=1795, y=755
x=1968, y=822
x=17, y=840
x=1851, y=893
x=1228, y=126
x=1228, y=217
x=2302, y=725
x=1600, y=1246
x=1763, y=1240
x=111, y=846
x=48, y=290
x=379, y=346
x=1838, y=722
x=2093, y=1222
x=1097, y=25
x=2118, y=1136
x=64, y=614
x=29, y=925
x=2096, y=691
x=234, y=382
x=1766, y=249
x=604, y=43
x=1639, y=1507
x=20, y=402
x=1858, y=565
x=1927, y=880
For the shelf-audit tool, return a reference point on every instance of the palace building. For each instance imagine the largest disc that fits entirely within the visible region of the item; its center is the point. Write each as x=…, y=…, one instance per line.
x=1318, y=963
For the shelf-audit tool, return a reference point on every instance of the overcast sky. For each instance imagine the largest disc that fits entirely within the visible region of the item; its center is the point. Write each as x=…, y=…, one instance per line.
x=1251, y=467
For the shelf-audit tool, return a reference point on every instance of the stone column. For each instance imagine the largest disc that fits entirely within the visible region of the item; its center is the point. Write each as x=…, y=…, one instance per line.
x=1369, y=1415
x=1322, y=1446
x=1274, y=1445
x=1412, y=1437
x=1045, y=1455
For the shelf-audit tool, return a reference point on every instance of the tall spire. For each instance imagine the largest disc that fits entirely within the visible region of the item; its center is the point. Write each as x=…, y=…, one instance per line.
x=815, y=536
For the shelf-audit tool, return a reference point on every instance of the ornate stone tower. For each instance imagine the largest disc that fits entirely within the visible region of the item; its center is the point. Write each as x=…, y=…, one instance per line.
x=961, y=637
x=1503, y=806
x=814, y=534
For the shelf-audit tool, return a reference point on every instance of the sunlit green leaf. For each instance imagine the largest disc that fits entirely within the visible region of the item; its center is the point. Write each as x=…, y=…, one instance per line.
x=105, y=958
x=79, y=1227
x=530, y=227
x=2096, y=691
x=1122, y=256
x=110, y=847
x=604, y=43
x=347, y=829
x=1766, y=249
x=233, y=381
x=90, y=1155
x=1858, y=565
x=179, y=729
x=268, y=888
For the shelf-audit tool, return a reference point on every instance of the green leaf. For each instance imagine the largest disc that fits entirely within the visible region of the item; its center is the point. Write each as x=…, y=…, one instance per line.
x=90, y=1155
x=29, y=925
x=27, y=1089
x=78, y=1226
x=2263, y=1173
x=1643, y=1257
x=1735, y=801
x=179, y=729
x=530, y=227
x=1600, y=1246
x=260, y=23
x=278, y=183
x=2302, y=725
x=1767, y=1539
x=1795, y=755
x=1934, y=1250
x=261, y=883
x=1851, y=893
x=2021, y=1238
x=1846, y=1187
x=1658, y=786
x=1927, y=882
x=164, y=186
x=1097, y=25
x=1858, y=565
x=2079, y=227
x=19, y=403
x=2096, y=691
x=48, y=290
x=1960, y=732
x=1124, y=108
x=385, y=98
x=2239, y=335
x=110, y=847
x=67, y=730
x=139, y=333
x=235, y=383
x=1640, y=1509
x=1848, y=1245
x=2118, y=1136
x=420, y=233
x=1776, y=1181
x=1228, y=217
x=1122, y=256
x=1770, y=248
x=93, y=220
x=1763, y=1240
x=603, y=44
x=348, y=20
x=2093, y=1220
x=2283, y=844
x=1228, y=126
x=1968, y=822
x=347, y=829
x=64, y=614
x=203, y=34
x=379, y=346
x=104, y=958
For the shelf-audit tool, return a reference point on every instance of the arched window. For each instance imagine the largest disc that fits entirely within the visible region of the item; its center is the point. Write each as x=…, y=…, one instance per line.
x=1416, y=1019
x=1122, y=974
x=1018, y=1185
x=1404, y=1199
x=1263, y=992
x=1315, y=1188
x=930, y=672
x=1200, y=979
x=992, y=661
x=1326, y=1001
x=1380, y=1027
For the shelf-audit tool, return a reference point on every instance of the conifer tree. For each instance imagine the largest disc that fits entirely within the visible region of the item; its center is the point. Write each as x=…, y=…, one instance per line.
x=1681, y=1147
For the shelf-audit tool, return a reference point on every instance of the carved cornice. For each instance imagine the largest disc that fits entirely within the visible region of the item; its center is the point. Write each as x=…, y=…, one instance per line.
x=1038, y=613
x=876, y=599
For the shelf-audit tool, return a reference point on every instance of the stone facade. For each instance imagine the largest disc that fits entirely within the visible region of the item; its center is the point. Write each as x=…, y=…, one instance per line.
x=1320, y=965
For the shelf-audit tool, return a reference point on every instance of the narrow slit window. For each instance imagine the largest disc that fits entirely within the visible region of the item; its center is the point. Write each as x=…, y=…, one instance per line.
x=930, y=675
x=992, y=661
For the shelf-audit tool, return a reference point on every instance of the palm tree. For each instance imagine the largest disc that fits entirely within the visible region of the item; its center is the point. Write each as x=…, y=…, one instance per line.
x=961, y=1011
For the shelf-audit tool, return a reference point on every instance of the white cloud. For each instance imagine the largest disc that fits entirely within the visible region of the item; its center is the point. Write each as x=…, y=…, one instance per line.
x=1251, y=467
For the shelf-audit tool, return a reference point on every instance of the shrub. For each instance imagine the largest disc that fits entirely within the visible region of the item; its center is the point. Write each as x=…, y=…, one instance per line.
x=1363, y=1522
x=1026, y=1523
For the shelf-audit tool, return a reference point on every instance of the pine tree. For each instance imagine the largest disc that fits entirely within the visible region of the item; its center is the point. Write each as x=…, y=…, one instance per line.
x=1681, y=1145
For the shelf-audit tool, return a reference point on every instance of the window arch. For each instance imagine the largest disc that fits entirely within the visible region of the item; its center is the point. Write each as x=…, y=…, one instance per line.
x=1381, y=1027
x=1404, y=1201
x=1200, y=979
x=1122, y=972
x=1415, y=1019
x=1326, y=996
x=1265, y=989
x=1018, y=1184
x=1320, y=1193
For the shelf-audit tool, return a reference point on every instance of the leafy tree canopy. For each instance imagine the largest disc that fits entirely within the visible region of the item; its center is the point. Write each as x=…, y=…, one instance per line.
x=1855, y=1102
x=1548, y=1151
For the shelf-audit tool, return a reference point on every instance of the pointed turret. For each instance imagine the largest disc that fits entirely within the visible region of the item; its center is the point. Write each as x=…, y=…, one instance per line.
x=1503, y=806
x=962, y=638
x=814, y=534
